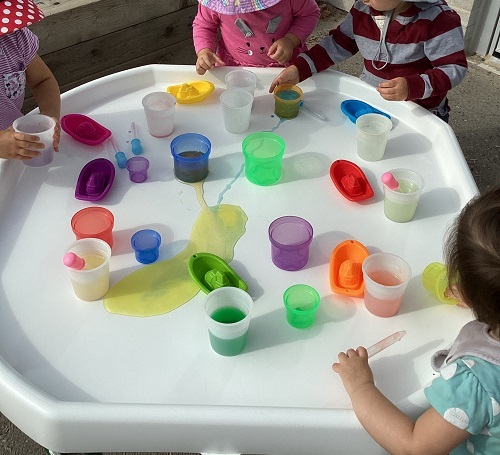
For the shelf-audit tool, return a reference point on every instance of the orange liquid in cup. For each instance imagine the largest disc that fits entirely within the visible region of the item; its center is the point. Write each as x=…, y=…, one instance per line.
x=383, y=308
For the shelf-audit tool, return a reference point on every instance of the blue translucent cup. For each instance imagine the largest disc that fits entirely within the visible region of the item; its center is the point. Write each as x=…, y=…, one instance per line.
x=190, y=152
x=146, y=244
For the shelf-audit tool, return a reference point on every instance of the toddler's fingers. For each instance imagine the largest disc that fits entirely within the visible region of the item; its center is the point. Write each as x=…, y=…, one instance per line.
x=362, y=352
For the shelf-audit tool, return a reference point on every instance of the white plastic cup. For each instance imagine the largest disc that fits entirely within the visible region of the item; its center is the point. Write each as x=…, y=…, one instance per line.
x=228, y=318
x=159, y=108
x=385, y=276
x=92, y=282
x=42, y=126
x=236, y=110
x=400, y=204
x=241, y=79
x=372, y=131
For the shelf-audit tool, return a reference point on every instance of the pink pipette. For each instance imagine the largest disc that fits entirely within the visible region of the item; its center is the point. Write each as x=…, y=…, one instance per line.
x=73, y=261
x=385, y=343
x=389, y=181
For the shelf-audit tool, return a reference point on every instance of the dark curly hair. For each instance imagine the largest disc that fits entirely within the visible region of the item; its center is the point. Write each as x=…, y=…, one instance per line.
x=472, y=254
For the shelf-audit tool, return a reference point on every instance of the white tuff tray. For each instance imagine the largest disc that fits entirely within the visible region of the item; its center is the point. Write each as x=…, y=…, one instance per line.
x=76, y=378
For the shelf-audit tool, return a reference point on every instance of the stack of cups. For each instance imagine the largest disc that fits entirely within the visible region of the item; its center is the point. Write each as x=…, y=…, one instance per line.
x=237, y=100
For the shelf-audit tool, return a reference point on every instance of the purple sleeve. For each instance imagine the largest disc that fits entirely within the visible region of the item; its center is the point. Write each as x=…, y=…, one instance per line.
x=205, y=27
x=27, y=43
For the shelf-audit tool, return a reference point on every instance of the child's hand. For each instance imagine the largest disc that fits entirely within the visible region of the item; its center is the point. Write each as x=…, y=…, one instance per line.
x=394, y=90
x=207, y=60
x=281, y=50
x=354, y=370
x=289, y=75
x=15, y=146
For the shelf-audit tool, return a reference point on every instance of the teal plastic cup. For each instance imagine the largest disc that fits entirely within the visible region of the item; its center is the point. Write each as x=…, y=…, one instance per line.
x=263, y=153
x=301, y=303
x=227, y=312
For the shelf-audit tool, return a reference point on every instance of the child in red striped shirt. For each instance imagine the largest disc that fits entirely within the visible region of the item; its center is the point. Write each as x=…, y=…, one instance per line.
x=412, y=50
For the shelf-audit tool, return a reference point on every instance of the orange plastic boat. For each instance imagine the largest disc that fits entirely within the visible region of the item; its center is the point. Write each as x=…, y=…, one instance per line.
x=346, y=276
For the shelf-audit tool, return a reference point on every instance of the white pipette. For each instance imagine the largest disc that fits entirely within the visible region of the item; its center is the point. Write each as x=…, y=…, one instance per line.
x=385, y=343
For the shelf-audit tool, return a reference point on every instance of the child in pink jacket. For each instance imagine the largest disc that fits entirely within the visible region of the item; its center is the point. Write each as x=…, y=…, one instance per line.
x=251, y=32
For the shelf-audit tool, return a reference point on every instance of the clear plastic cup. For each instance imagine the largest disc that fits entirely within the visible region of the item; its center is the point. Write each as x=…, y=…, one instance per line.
x=385, y=276
x=287, y=99
x=146, y=244
x=372, y=131
x=227, y=312
x=95, y=222
x=434, y=279
x=159, y=108
x=290, y=237
x=263, y=153
x=301, y=303
x=91, y=282
x=236, y=110
x=137, y=167
x=241, y=79
x=400, y=204
x=190, y=152
x=42, y=126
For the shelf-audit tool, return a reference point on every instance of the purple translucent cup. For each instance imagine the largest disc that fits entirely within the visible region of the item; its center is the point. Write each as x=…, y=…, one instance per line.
x=137, y=167
x=290, y=238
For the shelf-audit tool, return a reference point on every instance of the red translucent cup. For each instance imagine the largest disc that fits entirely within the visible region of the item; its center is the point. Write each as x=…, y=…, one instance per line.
x=93, y=222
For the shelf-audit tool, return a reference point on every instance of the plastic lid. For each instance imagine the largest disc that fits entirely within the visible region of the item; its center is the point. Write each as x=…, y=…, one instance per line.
x=346, y=275
x=350, y=180
x=92, y=222
x=192, y=92
x=95, y=180
x=84, y=129
x=355, y=108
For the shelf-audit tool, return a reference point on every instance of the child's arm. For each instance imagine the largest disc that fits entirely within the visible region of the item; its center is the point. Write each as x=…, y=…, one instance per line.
x=431, y=434
x=282, y=49
x=46, y=91
x=205, y=28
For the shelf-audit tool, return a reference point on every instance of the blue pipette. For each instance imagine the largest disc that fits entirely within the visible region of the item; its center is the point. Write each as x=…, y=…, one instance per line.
x=121, y=159
x=136, y=143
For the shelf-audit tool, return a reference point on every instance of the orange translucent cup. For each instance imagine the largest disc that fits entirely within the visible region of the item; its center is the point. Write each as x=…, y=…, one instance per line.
x=93, y=222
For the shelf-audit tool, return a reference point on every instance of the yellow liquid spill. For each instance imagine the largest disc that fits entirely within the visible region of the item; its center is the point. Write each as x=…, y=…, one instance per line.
x=164, y=286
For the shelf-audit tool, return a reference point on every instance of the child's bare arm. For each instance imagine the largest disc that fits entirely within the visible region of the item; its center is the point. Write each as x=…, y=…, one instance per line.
x=431, y=434
x=46, y=91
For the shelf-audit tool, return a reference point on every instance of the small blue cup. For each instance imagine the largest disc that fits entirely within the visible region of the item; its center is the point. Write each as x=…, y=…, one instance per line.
x=146, y=244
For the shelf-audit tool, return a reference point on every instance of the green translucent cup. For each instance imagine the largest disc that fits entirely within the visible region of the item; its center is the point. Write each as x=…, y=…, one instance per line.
x=301, y=303
x=263, y=153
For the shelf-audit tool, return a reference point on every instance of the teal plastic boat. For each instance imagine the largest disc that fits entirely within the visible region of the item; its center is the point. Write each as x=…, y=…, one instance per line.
x=210, y=272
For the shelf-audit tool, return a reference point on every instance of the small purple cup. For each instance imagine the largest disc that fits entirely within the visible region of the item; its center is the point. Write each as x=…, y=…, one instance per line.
x=290, y=238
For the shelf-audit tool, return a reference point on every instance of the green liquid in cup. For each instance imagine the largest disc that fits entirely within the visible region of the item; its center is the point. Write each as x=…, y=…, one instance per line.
x=232, y=346
x=402, y=212
x=228, y=315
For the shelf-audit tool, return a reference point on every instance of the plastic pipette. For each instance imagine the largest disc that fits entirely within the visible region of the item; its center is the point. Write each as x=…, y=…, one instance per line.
x=73, y=261
x=121, y=159
x=313, y=112
x=389, y=181
x=385, y=343
x=136, y=143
